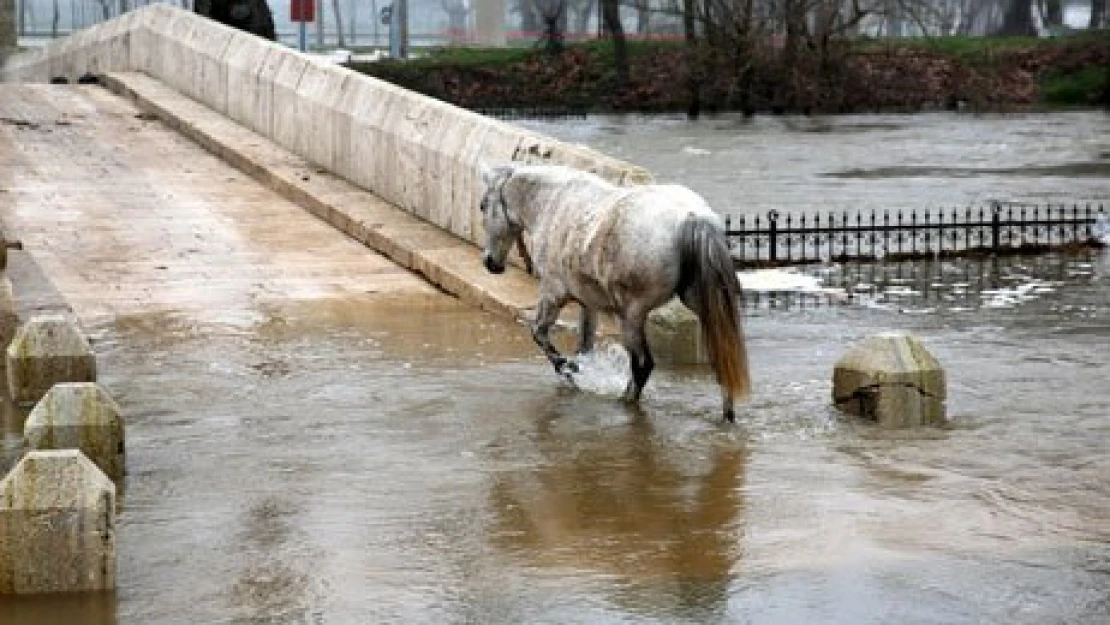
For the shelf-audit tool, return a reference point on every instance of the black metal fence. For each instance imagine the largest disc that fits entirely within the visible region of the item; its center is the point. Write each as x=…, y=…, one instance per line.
x=785, y=239
x=508, y=113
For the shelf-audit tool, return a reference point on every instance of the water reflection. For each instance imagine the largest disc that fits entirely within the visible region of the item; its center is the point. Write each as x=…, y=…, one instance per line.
x=94, y=608
x=619, y=500
x=271, y=586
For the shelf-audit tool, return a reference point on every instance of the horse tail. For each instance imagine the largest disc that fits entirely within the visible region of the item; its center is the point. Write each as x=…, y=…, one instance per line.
x=708, y=285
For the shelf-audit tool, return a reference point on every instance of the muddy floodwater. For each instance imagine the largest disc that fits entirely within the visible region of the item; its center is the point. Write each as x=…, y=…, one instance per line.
x=364, y=460
x=863, y=162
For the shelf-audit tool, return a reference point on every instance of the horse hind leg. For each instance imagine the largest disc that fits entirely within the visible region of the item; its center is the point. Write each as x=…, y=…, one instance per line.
x=634, y=337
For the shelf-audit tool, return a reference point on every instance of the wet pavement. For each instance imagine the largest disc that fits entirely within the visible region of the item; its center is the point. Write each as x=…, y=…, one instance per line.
x=347, y=457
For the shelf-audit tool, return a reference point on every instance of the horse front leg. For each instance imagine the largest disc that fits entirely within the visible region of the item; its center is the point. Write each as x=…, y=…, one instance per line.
x=634, y=337
x=547, y=313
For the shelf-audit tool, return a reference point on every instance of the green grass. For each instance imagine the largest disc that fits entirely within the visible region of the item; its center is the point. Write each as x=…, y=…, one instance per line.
x=978, y=46
x=1080, y=88
x=464, y=58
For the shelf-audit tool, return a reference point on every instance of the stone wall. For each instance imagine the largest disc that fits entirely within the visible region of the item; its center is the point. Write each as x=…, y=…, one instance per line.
x=418, y=153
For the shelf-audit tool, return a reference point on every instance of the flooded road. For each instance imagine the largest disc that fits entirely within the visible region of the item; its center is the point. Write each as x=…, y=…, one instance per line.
x=347, y=462
x=344, y=458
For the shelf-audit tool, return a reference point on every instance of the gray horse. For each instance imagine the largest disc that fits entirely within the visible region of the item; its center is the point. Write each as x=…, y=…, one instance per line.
x=620, y=250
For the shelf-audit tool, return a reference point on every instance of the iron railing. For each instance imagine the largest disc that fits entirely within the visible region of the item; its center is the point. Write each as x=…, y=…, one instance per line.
x=779, y=239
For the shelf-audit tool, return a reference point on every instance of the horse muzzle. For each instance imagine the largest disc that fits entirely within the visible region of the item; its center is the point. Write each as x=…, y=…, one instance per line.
x=492, y=265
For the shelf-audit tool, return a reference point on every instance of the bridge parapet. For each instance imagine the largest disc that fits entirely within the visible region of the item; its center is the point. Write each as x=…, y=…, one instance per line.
x=418, y=153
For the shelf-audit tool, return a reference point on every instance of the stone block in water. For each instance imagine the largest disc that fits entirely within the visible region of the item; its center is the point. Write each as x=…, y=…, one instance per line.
x=57, y=525
x=79, y=415
x=892, y=379
x=674, y=334
x=46, y=350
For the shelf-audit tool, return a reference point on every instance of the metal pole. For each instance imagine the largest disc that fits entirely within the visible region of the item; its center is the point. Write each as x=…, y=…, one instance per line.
x=395, y=29
x=404, y=23
x=302, y=36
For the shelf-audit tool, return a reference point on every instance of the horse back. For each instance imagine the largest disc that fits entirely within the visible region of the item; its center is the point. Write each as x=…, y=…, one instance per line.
x=628, y=248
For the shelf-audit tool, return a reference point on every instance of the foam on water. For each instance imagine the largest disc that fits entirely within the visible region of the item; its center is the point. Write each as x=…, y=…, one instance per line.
x=782, y=280
x=1102, y=229
x=604, y=371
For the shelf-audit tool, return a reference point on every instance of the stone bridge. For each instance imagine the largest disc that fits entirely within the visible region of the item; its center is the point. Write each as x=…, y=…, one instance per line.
x=392, y=169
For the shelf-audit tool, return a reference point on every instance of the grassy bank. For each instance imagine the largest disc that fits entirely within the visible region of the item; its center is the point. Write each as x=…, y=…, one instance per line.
x=985, y=73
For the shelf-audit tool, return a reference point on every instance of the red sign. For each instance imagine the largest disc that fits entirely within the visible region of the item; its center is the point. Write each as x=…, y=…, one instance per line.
x=302, y=11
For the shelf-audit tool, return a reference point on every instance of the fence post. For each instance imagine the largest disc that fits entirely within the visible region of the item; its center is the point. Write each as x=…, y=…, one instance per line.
x=773, y=236
x=996, y=226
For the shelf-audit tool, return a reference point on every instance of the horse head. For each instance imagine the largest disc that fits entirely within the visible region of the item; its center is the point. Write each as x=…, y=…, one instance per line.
x=501, y=222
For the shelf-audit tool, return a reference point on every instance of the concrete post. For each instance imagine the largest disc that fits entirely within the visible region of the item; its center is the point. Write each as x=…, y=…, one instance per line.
x=57, y=525
x=79, y=415
x=46, y=350
x=892, y=379
x=674, y=334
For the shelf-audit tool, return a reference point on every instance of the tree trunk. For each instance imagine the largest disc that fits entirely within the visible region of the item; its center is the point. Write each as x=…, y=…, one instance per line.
x=1098, y=14
x=554, y=15
x=1018, y=19
x=689, y=25
x=611, y=14
x=1053, y=12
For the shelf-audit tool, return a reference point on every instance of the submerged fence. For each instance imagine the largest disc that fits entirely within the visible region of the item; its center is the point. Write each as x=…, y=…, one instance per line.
x=928, y=285
x=779, y=239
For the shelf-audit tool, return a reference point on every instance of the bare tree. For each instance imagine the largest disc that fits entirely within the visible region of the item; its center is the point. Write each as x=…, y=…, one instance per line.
x=1052, y=11
x=553, y=14
x=1098, y=14
x=611, y=16
x=1018, y=19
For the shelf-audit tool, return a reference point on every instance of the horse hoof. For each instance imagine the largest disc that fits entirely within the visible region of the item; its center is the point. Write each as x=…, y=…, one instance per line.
x=566, y=367
x=730, y=415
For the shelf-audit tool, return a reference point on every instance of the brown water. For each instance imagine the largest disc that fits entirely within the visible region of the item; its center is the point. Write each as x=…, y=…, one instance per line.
x=363, y=461
x=862, y=162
